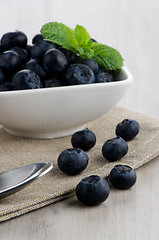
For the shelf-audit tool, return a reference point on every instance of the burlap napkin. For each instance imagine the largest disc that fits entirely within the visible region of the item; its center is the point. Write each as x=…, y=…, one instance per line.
x=54, y=186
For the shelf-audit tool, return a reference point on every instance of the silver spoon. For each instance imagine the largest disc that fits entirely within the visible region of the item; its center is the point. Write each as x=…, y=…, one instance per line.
x=15, y=179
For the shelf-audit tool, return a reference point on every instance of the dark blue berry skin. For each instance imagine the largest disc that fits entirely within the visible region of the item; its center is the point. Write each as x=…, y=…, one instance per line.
x=39, y=49
x=26, y=79
x=127, y=129
x=72, y=161
x=71, y=56
x=84, y=139
x=93, y=40
x=22, y=53
x=54, y=82
x=79, y=74
x=92, y=190
x=2, y=76
x=104, y=77
x=55, y=61
x=122, y=177
x=28, y=49
x=10, y=61
x=114, y=149
x=1, y=49
x=13, y=39
x=36, y=67
x=7, y=86
x=37, y=38
x=92, y=64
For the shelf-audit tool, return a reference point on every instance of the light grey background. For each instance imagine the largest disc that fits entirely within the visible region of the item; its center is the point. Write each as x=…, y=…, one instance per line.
x=129, y=26
x=132, y=27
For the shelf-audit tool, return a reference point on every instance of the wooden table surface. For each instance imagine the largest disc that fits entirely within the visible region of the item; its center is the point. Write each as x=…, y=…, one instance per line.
x=132, y=27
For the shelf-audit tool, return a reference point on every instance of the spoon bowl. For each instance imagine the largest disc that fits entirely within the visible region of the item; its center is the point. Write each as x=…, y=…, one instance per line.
x=15, y=179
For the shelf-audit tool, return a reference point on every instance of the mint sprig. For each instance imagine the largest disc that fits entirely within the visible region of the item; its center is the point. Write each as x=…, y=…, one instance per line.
x=107, y=57
x=82, y=36
x=60, y=34
x=79, y=41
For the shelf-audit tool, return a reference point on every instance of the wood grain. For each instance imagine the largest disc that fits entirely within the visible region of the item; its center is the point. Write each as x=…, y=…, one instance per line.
x=131, y=214
x=131, y=27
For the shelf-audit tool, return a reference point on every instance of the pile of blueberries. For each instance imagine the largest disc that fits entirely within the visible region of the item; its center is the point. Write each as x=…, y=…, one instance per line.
x=43, y=64
x=94, y=189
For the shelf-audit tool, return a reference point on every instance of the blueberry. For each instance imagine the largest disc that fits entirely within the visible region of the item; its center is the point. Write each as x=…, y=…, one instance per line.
x=7, y=86
x=84, y=139
x=104, y=77
x=28, y=49
x=36, y=67
x=55, y=61
x=54, y=82
x=26, y=79
x=122, y=177
x=114, y=149
x=13, y=39
x=79, y=74
x=37, y=38
x=127, y=129
x=101, y=69
x=22, y=53
x=92, y=190
x=92, y=64
x=10, y=61
x=71, y=56
x=39, y=49
x=72, y=161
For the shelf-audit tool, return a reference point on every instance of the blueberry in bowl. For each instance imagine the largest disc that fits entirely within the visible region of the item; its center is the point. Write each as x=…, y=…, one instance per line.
x=37, y=38
x=36, y=67
x=54, y=61
x=26, y=79
x=104, y=77
x=14, y=39
x=54, y=82
x=79, y=74
x=92, y=64
x=38, y=49
x=10, y=61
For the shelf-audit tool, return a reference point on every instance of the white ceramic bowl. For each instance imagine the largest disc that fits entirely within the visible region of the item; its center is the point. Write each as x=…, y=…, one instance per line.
x=56, y=112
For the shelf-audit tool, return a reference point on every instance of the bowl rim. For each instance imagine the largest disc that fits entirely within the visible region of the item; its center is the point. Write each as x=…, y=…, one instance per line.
x=128, y=80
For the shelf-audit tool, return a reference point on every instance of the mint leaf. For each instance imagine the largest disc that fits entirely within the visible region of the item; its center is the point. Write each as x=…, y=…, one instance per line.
x=78, y=41
x=88, y=52
x=107, y=57
x=85, y=52
x=60, y=34
x=82, y=36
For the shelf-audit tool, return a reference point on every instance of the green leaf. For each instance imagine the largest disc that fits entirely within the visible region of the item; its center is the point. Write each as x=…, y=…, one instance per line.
x=85, y=52
x=107, y=57
x=78, y=40
x=88, y=52
x=82, y=36
x=60, y=34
